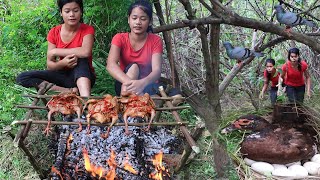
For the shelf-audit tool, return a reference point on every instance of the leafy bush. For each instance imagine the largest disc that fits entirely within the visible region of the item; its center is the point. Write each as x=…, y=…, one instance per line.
x=23, y=44
x=107, y=22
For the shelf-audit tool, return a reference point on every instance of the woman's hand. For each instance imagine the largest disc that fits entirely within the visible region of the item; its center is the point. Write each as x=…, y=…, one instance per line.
x=70, y=61
x=261, y=95
x=135, y=86
x=308, y=94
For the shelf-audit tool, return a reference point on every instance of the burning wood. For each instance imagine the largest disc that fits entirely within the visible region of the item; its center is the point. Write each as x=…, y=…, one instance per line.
x=160, y=170
x=99, y=171
x=128, y=167
x=54, y=170
x=65, y=103
x=118, y=156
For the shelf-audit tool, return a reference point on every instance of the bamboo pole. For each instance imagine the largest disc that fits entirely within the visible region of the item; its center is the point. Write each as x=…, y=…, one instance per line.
x=184, y=130
x=24, y=122
x=41, y=91
x=101, y=97
x=23, y=132
x=157, y=109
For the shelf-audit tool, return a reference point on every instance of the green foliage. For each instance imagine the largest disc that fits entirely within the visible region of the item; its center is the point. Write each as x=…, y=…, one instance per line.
x=104, y=82
x=108, y=17
x=23, y=47
x=24, y=32
x=23, y=44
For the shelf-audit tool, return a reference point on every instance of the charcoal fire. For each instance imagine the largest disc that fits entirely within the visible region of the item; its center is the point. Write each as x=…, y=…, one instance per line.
x=119, y=156
x=160, y=171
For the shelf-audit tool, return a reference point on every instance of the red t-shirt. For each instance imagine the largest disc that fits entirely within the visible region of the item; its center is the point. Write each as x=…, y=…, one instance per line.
x=294, y=77
x=55, y=38
x=142, y=57
x=273, y=78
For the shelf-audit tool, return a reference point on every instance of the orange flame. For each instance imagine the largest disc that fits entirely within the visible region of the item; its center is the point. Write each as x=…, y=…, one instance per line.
x=90, y=167
x=161, y=171
x=100, y=171
x=54, y=170
x=69, y=140
x=127, y=166
x=112, y=166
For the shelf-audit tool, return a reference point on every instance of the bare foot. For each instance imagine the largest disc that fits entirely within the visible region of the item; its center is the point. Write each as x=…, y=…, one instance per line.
x=177, y=99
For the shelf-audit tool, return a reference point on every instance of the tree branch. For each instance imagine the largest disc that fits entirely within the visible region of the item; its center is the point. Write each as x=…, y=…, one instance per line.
x=168, y=43
x=237, y=20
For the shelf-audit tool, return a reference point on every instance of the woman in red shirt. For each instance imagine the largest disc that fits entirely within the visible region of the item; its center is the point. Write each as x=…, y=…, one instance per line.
x=69, y=55
x=270, y=74
x=139, y=53
x=296, y=76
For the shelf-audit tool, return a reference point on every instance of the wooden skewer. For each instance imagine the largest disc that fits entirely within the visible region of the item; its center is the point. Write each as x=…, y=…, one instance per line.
x=183, y=129
x=157, y=109
x=101, y=97
x=24, y=122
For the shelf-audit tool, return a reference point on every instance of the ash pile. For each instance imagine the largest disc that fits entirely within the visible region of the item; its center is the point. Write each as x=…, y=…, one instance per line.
x=82, y=155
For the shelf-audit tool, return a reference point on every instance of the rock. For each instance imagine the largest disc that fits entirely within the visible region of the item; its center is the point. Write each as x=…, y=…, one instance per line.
x=262, y=167
x=316, y=158
x=293, y=163
x=248, y=161
x=283, y=172
x=313, y=168
x=279, y=166
x=300, y=171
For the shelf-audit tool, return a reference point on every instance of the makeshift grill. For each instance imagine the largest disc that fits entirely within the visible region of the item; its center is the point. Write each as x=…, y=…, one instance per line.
x=80, y=155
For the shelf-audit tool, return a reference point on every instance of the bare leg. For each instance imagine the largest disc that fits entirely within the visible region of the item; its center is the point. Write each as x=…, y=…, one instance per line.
x=153, y=114
x=125, y=118
x=176, y=102
x=84, y=86
x=88, y=120
x=114, y=120
x=133, y=73
x=78, y=110
x=47, y=130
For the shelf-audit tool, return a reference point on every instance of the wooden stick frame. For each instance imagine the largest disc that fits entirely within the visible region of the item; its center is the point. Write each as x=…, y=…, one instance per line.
x=27, y=122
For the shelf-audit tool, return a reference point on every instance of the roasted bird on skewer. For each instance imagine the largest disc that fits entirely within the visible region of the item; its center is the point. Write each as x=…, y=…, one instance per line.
x=137, y=106
x=66, y=103
x=103, y=111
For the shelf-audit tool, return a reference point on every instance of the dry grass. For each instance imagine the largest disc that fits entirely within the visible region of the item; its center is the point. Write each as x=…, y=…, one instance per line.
x=13, y=163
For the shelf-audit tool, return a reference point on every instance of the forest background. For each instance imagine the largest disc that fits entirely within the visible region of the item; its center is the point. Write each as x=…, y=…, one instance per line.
x=193, y=47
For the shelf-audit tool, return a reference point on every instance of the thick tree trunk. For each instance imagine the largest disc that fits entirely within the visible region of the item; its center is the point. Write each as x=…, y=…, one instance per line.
x=220, y=155
x=209, y=108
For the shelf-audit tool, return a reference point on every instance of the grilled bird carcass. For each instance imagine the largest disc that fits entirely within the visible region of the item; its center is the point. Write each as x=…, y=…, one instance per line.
x=137, y=106
x=103, y=111
x=66, y=103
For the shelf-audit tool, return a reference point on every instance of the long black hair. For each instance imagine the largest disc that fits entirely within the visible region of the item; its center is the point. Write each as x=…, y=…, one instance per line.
x=272, y=61
x=61, y=3
x=146, y=7
x=297, y=52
